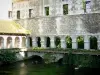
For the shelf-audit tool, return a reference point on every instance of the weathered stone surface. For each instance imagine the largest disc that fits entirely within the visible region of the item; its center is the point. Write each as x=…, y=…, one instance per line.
x=76, y=22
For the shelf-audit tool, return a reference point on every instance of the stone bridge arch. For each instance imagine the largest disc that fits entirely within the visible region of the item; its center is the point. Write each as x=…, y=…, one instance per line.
x=51, y=57
x=36, y=59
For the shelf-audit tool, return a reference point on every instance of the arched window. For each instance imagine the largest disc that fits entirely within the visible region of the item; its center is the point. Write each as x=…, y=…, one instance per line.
x=57, y=42
x=17, y=42
x=47, y=42
x=38, y=41
x=1, y=42
x=80, y=42
x=9, y=42
x=93, y=42
x=69, y=42
x=30, y=41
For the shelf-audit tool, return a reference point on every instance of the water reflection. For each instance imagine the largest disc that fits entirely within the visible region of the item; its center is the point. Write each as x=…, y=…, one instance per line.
x=29, y=68
x=23, y=69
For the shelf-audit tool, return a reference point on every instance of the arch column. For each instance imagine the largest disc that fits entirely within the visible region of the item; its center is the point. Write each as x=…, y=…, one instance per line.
x=13, y=42
x=52, y=42
x=20, y=42
x=74, y=42
x=43, y=42
x=34, y=42
x=86, y=42
x=98, y=42
x=63, y=42
x=5, y=41
x=27, y=42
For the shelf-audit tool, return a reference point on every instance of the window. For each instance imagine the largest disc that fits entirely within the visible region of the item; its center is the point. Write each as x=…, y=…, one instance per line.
x=30, y=13
x=65, y=9
x=9, y=14
x=46, y=11
x=86, y=6
x=18, y=14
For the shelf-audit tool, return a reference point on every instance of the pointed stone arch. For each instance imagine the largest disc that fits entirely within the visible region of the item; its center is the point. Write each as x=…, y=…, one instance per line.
x=80, y=42
x=57, y=42
x=68, y=42
x=9, y=42
x=1, y=42
x=93, y=42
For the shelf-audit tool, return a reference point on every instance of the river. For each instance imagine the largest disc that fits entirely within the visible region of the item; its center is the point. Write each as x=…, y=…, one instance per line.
x=28, y=68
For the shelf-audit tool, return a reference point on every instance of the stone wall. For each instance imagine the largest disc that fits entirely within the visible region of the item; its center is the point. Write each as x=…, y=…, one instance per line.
x=70, y=24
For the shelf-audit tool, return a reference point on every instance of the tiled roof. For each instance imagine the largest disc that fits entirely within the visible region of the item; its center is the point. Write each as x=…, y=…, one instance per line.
x=11, y=27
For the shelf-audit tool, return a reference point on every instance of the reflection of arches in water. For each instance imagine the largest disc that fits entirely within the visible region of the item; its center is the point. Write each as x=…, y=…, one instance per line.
x=9, y=42
x=47, y=42
x=93, y=42
x=38, y=39
x=23, y=42
x=1, y=42
x=69, y=42
x=57, y=42
x=80, y=42
x=37, y=59
x=17, y=42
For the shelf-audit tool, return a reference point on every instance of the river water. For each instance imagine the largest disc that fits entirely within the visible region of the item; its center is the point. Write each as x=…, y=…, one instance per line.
x=28, y=68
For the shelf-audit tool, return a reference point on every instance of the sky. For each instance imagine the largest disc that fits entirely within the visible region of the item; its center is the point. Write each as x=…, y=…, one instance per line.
x=5, y=5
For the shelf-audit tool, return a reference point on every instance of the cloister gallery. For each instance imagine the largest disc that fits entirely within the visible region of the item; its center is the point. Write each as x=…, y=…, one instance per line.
x=74, y=42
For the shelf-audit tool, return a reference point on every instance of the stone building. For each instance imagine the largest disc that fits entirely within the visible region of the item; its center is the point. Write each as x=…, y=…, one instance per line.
x=12, y=35
x=49, y=20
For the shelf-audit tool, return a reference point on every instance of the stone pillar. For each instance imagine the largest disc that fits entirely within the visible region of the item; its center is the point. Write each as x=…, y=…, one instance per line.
x=13, y=42
x=43, y=42
x=34, y=42
x=52, y=42
x=74, y=42
x=98, y=42
x=27, y=42
x=5, y=41
x=86, y=42
x=63, y=42
x=20, y=42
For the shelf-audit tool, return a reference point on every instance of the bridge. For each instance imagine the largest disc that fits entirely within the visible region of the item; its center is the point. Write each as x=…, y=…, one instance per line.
x=52, y=55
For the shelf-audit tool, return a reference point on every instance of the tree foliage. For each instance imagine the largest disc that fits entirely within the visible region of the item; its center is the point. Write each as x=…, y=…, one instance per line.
x=7, y=56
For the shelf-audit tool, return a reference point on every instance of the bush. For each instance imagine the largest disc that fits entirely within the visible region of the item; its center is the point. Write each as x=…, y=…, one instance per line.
x=7, y=56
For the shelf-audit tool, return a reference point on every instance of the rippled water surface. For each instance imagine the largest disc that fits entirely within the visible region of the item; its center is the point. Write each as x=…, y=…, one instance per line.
x=28, y=68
